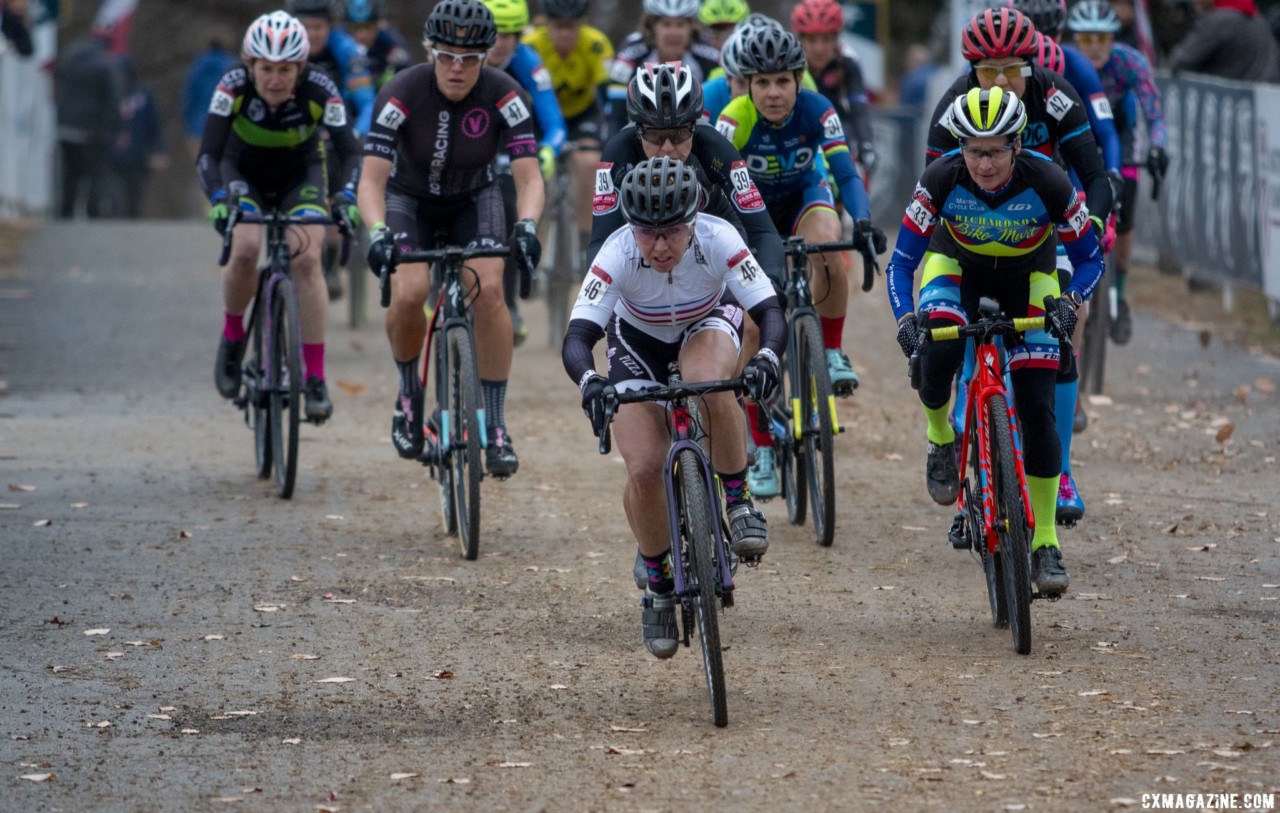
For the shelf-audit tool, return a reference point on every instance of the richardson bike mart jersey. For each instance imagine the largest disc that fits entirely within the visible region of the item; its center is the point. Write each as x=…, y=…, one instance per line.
x=1009, y=230
x=727, y=192
x=783, y=158
x=577, y=77
x=444, y=149
x=1057, y=127
x=621, y=284
x=268, y=144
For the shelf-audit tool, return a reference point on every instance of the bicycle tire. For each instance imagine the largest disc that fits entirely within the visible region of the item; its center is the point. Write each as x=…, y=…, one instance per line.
x=1011, y=525
x=1096, y=334
x=798, y=500
x=357, y=286
x=784, y=452
x=560, y=276
x=443, y=462
x=818, y=438
x=465, y=445
x=285, y=386
x=698, y=535
x=255, y=402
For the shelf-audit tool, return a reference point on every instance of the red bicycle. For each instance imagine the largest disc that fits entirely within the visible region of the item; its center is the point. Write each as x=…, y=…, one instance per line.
x=995, y=519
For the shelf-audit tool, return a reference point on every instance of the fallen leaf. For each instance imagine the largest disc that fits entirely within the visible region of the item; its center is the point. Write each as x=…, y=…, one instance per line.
x=42, y=523
x=291, y=741
x=1264, y=385
x=99, y=631
x=335, y=680
x=190, y=731
x=266, y=608
x=1224, y=432
x=214, y=637
x=351, y=388
x=628, y=730
x=159, y=717
x=512, y=764
x=304, y=657
x=626, y=752
x=441, y=674
x=459, y=780
x=1204, y=548
x=21, y=487
x=1164, y=751
x=1172, y=529
x=38, y=777
x=396, y=777
x=79, y=505
x=1091, y=693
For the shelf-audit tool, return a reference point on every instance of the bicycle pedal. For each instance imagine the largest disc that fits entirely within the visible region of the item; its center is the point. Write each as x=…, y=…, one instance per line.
x=751, y=561
x=1067, y=523
x=1047, y=596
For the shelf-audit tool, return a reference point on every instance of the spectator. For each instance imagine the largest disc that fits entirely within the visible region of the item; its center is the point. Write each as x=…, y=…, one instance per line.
x=202, y=80
x=1229, y=40
x=14, y=24
x=139, y=148
x=918, y=68
x=87, y=97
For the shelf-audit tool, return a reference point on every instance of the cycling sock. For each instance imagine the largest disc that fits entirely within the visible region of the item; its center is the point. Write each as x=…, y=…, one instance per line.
x=940, y=431
x=410, y=381
x=1044, y=506
x=736, y=489
x=1122, y=276
x=1064, y=413
x=832, y=332
x=313, y=360
x=233, y=327
x=659, y=570
x=495, y=398
x=762, y=438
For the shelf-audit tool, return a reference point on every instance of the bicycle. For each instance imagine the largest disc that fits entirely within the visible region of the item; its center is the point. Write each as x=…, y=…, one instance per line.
x=995, y=520
x=701, y=562
x=460, y=434
x=271, y=394
x=804, y=422
x=564, y=249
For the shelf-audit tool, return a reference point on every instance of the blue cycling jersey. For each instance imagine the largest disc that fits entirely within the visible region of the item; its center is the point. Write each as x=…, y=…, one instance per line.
x=345, y=61
x=1079, y=71
x=526, y=68
x=715, y=95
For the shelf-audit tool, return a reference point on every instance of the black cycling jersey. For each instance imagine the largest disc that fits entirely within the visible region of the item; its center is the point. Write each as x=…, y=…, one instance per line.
x=842, y=83
x=266, y=143
x=1057, y=127
x=728, y=193
x=444, y=149
x=701, y=59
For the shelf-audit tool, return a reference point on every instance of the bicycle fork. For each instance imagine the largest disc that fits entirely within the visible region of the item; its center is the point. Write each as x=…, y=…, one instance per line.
x=720, y=549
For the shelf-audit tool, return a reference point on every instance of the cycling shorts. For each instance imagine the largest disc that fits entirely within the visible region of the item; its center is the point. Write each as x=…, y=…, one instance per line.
x=638, y=360
x=475, y=220
x=1128, y=203
x=788, y=210
x=293, y=192
x=587, y=128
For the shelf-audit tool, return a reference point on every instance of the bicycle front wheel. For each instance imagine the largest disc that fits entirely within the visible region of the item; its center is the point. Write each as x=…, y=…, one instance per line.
x=702, y=577
x=817, y=408
x=285, y=386
x=465, y=451
x=1011, y=525
x=256, y=401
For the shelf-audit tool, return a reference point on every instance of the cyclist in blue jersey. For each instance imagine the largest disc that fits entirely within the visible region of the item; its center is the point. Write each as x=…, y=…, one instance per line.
x=386, y=48
x=1000, y=206
x=341, y=57
x=782, y=131
x=522, y=63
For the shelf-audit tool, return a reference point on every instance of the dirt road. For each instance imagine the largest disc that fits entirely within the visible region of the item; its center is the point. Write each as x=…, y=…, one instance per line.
x=172, y=631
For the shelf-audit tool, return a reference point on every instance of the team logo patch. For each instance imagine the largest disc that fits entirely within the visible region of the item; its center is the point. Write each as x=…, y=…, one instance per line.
x=222, y=103
x=393, y=114
x=1101, y=106
x=475, y=123
x=1058, y=104
x=726, y=127
x=606, y=196
x=831, y=127
x=745, y=194
x=513, y=109
x=335, y=113
x=257, y=110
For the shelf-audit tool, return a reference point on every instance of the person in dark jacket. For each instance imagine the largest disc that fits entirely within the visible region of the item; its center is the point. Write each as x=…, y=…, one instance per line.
x=1230, y=40
x=13, y=24
x=87, y=93
x=139, y=147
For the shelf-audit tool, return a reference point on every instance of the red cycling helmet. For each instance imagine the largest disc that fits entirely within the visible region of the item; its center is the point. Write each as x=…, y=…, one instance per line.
x=1049, y=53
x=998, y=33
x=817, y=17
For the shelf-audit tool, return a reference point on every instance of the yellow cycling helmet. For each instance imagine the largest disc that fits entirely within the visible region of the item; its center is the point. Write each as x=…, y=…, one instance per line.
x=511, y=16
x=719, y=12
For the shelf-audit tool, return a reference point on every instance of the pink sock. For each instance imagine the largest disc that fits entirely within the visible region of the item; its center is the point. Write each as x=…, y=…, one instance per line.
x=233, y=327
x=313, y=360
x=832, y=332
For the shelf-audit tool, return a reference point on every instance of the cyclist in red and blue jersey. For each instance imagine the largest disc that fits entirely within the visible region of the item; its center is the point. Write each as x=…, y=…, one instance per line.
x=385, y=47
x=340, y=56
x=1127, y=81
x=1000, y=206
x=263, y=133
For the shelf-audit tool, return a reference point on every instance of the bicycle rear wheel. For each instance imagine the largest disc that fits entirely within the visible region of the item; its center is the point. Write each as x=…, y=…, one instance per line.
x=698, y=532
x=465, y=448
x=816, y=405
x=1096, y=334
x=358, y=277
x=285, y=386
x=561, y=274
x=1011, y=525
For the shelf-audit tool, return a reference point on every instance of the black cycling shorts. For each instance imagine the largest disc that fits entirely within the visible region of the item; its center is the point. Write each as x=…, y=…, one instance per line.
x=1128, y=202
x=286, y=189
x=587, y=128
x=472, y=221
x=638, y=360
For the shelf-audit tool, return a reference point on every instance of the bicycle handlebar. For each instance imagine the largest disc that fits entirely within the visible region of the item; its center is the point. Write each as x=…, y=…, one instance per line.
x=236, y=216
x=870, y=267
x=689, y=389
x=455, y=254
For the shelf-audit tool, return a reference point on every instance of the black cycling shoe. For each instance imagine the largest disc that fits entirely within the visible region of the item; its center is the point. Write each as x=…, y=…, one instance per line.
x=500, y=458
x=1122, y=325
x=658, y=624
x=319, y=407
x=226, y=370
x=1048, y=571
x=406, y=426
x=941, y=475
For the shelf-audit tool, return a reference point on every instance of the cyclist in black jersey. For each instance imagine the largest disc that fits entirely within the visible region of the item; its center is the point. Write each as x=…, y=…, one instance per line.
x=428, y=180
x=263, y=133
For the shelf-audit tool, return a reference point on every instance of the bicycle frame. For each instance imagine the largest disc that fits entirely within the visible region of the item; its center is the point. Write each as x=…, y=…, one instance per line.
x=800, y=303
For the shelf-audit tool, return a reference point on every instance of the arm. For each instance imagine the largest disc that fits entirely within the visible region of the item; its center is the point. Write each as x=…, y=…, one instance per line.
x=372, y=195
x=217, y=129
x=858, y=105
x=536, y=81
x=1069, y=126
x=1081, y=243
x=1144, y=87
x=1084, y=78
x=530, y=191
x=913, y=240
x=835, y=150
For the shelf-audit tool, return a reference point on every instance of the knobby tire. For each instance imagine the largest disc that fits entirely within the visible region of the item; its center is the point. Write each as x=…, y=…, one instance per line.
x=286, y=386
x=258, y=406
x=819, y=432
x=698, y=532
x=444, y=463
x=1096, y=334
x=467, y=464
x=1011, y=519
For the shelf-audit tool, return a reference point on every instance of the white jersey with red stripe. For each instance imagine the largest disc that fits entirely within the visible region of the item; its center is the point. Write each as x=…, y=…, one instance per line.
x=663, y=305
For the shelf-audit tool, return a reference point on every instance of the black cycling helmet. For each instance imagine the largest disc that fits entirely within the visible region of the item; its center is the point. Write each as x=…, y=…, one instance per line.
x=564, y=9
x=663, y=95
x=660, y=192
x=310, y=8
x=770, y=50
x=1048, y=16
x=462, y=24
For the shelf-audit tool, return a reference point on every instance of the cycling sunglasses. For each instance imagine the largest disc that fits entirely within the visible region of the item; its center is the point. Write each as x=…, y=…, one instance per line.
x=989, y=73
x=656, y=137
x=448, y=58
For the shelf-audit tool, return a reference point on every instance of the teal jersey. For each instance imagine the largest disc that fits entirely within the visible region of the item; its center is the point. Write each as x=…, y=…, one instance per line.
x=787, y=158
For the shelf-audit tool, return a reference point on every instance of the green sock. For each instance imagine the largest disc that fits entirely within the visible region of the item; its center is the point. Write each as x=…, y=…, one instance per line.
x=940, y=431
x=1044, y=504
x=1121, y=278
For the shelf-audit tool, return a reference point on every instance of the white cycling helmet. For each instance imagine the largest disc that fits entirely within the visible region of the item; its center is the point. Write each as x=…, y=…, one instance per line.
x=672, y=8
x=277, y=37
x=980, y=113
